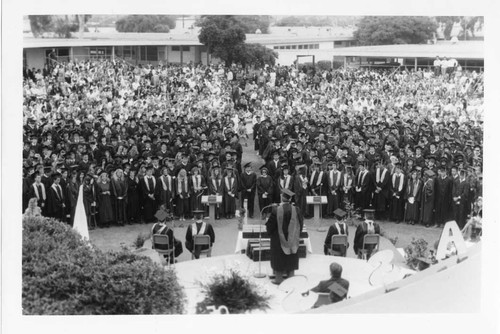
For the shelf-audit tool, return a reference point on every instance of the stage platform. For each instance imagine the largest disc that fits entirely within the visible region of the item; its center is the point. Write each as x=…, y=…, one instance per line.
x=286, y=298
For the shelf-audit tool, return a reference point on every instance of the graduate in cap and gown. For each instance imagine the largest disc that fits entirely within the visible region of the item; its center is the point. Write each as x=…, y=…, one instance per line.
x=284, y=227
x=427, y=201
x=265, y=188
x=368, y=226
x=162, y=227
x=230, y=192
x=149, y=194
x=248, y=184
x=338, y=228
x=199, y=227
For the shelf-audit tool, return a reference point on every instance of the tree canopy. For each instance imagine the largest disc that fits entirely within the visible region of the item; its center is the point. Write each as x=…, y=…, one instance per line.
x=469, y=25
x=379, y=30
x=61, y=25
x=146, y=23
x=224, y=36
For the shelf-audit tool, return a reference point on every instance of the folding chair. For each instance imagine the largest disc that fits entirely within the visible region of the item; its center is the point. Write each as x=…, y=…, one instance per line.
x=340, y=241
x=323, y=299
x=370, y=246
x=202, y=240
x=165, y=252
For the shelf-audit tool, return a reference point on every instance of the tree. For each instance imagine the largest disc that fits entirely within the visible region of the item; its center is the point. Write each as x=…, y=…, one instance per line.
x=223, y=35
x=40, y=24
x=256, y=55
x=146, y=23
x=253, y=22
x=61, y=25
x=380, y=30
x=469, y=25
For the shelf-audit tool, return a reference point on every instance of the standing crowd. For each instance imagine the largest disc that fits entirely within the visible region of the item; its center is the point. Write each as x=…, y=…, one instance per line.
x=407, y=144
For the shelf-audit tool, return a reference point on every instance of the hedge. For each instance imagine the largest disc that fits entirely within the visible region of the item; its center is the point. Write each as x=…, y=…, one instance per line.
x=64, y=275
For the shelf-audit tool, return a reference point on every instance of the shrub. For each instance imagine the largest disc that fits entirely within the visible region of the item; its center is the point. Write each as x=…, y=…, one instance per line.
x=140, y=239
x=63, y=275
x=233, y=290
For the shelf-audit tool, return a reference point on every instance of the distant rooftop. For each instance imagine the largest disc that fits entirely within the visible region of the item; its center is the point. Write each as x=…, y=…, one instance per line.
x=110, y=38
x=461, y=50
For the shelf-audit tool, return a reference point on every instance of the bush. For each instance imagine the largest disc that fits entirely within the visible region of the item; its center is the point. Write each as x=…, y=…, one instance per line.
x=324, y=65
x=234, y=291
x=64, y=275
x=140, y=239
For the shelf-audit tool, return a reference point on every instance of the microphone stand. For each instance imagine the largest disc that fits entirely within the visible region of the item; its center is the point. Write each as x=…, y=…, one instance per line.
x=260, y=274
x=321, y=228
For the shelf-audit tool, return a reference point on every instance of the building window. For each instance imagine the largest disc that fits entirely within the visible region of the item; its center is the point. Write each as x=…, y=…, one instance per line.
x=149, y=53
x=275, y=47
x=300, y=47
x=294, y=47
x=128, y=52
x=176, y=48
x=186, y=48
x=288, y=47
x=306, y=46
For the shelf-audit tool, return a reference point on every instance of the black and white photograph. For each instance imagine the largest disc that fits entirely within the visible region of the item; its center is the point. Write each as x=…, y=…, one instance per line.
x=263, y=167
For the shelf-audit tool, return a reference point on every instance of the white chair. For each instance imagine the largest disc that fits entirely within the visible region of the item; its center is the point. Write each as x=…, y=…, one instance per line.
x=341, y=242
x=370, y=246
x=202, y=240
x=164, y=252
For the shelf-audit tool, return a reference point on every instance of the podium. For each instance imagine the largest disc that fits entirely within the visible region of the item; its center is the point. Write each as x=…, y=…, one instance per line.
x=211, y=201
x=317, y=201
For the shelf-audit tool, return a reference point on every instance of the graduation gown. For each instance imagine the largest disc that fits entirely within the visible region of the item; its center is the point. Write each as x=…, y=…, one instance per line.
x=215, y=187
x=280, y=261
x=133, y=205
x=361, y=231
x=427, y=202
x=442, y=204
x=198, y=186
x=229, y=194
x=40, y=192
x=334, y=183
x=397, y=196
x=119, y=192
x=164, y=229
x=148, y=187
x=381, y=189
x=265, y=185
x=339, y=228
x=413, y=195
x=104, y=201
x=362, y=195
x=56, y=202
x=184, y=195
x=248, y=184
x=199, y=228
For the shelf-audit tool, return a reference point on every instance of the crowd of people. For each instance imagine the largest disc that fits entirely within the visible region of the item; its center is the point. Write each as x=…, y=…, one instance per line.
x=407, y=143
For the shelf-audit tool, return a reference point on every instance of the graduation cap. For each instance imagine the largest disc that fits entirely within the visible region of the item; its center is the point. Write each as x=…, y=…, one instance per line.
x=339, y=213
x=287, y=192
x=198, y=212
x=429, y=173
x=161, y=215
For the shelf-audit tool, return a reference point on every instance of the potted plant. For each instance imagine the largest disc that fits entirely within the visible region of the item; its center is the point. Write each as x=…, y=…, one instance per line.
x=416, y=255
x=234, y=291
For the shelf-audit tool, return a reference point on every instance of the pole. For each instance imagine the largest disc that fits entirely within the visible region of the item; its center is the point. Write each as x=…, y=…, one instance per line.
x=260, y=274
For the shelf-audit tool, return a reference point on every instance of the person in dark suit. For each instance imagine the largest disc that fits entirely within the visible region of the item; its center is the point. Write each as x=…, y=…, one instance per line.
x=265, y=188
x=338, y=228
x=397, y=191
x=199, y=227
x=284, y=227
x=460, y=193
x=248, y=183
x=274, y=168
x=367, y=227
x=336, y=286
x=362, y=195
